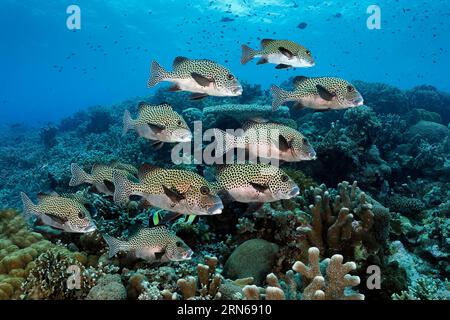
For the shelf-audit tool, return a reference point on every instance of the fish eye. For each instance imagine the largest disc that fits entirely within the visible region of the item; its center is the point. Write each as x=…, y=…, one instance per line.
x=230, y=76
x=284, y=178
x=179, y=122
x=81, y=215
x=178, y=244
x=305, y=141
x=308, y=52
x=350, y=89
x=204, y=190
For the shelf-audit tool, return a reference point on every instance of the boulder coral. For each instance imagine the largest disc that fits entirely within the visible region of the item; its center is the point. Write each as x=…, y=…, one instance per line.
x=19, y=247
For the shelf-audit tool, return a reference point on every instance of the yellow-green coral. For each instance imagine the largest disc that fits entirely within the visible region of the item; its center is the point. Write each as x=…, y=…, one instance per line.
x=18, y=248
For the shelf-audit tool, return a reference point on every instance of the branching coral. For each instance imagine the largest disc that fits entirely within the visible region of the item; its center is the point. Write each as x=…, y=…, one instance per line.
x=203, y=287
x=333, y=285
x=341, y=224
x=314, y=285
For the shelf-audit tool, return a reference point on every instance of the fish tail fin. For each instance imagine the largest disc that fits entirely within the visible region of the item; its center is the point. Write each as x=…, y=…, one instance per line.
x=79, y=176
x=123, y=188
x=247, y=54
x=157, y=74
x=128, y=122
x=115, y=245
x=28, y=205
x=279, y=96
x=225, y=142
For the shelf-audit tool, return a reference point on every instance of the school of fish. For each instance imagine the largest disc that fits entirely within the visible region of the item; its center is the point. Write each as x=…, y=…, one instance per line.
x=184, y=192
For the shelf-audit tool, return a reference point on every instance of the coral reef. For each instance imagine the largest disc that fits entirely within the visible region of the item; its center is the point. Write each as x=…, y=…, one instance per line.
x=397, y=148
x=310, y=284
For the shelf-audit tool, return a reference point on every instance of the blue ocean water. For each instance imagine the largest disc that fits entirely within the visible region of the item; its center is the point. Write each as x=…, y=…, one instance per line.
x=49, y=71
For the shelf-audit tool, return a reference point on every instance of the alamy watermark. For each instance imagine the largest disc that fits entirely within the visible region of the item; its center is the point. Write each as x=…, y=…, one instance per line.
x=73, y=21
x=374, y=20
x=231, y=146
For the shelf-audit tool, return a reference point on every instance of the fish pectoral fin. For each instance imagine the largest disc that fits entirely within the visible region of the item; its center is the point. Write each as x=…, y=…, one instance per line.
x=174, y=88
x=159, y=255
x=156, y=128
x=299, y=105
x=201, y=80
x=286, y=52
x=259, y=187
x=283, y=143
x=53, y=220
x=109, y=185
x=157, y=145
x=262, y=61
x=282, y=66
x=173, y=194
x=197, y=96
x=324, y=93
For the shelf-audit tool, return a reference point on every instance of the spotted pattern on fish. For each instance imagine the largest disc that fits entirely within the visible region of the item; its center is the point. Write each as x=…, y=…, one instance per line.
x=264, y=178
x=200, y=76
x=319, y=93
x=285, y=53
x=101, y=176
x=270, y=140
x=157, y=243
x=181, y=186
x=67, y=213
x=158, y=122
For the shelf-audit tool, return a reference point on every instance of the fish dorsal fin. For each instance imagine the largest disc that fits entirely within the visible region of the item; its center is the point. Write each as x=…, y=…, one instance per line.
x=222, y=167
x=143, y=105
x=164, y=105
x=266, y=42
x=299, y=79
x=179, y=60
x=97, y=167
x=75, y=196
x=249, y=124
x=43, y=195
x=147, y=169
x=173, y=194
